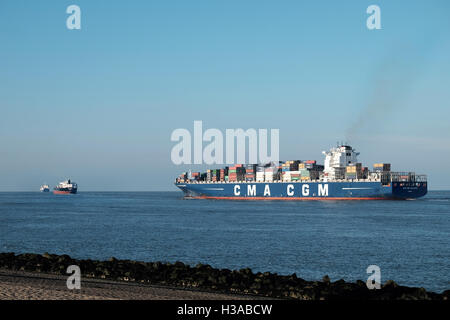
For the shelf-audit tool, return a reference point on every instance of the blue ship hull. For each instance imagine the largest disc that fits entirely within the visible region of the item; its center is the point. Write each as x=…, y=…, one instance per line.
x=347, y=190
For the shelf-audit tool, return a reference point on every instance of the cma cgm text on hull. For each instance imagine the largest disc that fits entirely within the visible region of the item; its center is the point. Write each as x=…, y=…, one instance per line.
x=340, y=178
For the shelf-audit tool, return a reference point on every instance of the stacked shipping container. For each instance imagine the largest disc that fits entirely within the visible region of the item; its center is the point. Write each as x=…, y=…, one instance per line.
x=236, y=173
x=382, y=167
x=353, y=171
x=260, y=175
x=223, y=174
x=292, y=170
x=250, y=172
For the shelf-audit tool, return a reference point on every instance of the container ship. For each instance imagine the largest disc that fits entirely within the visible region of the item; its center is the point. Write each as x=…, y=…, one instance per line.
x=66, y=187
x=341, y=177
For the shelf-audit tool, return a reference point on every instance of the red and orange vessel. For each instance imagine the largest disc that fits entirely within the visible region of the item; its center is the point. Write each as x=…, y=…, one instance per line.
x=66, y=187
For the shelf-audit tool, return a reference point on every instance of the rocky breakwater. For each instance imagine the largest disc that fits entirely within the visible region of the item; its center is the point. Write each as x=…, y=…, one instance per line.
x=205, y=277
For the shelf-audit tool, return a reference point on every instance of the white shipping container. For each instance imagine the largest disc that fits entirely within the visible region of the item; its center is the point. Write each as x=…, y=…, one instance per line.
x=260, y=176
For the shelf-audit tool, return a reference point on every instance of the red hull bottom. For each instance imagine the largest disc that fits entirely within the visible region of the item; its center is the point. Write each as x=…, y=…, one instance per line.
x=63, y=192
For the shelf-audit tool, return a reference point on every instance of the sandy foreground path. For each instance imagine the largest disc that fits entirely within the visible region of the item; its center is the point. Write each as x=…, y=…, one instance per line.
x=37, y=286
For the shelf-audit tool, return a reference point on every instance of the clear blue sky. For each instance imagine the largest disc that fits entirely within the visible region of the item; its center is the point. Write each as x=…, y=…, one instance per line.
x=99, y=104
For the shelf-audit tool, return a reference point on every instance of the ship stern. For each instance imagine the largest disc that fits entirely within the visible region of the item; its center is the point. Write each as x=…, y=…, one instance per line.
x=409, y=190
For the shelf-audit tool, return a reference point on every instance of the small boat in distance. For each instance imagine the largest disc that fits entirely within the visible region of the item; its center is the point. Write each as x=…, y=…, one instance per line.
x=66, y=187
x=44, y=188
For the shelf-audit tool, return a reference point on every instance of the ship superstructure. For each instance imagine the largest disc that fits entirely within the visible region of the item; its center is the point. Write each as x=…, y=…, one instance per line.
x=337, y=160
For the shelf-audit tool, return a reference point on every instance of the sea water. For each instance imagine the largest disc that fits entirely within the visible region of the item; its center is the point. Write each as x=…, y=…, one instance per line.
x=408, y=240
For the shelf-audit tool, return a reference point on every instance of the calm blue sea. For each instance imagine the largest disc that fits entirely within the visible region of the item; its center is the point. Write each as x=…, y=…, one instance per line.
x=408, y=240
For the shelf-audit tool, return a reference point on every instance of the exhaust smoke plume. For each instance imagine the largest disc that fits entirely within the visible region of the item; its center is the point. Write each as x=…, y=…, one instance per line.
x=391, y=85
